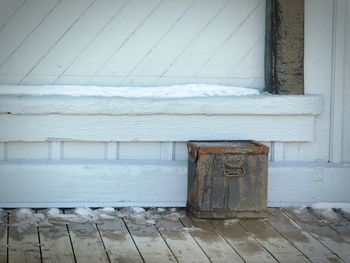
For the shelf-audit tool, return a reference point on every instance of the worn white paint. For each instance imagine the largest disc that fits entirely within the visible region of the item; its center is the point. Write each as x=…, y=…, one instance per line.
x=213, y=105
x=152, y=183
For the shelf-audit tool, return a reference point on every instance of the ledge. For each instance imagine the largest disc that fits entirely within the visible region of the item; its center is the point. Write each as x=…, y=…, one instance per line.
x=95, y=105
x=33, y=117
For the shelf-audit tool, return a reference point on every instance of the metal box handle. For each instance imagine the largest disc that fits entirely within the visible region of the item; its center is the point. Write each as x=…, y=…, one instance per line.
x=233, y=168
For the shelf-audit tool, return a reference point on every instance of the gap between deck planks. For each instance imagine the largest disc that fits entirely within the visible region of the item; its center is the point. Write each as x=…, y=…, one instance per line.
x=285, y=236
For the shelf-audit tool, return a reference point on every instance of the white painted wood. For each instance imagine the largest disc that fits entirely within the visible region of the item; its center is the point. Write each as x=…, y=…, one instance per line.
x=132, y=183
x=107, y=42
x=80, y=35
x=27, y=150
x=246, y=44
x=181, y=151
x=8, y=10
x=178, y=38
x=346, y=98
x=317, y=73
x=17, y=30
x=151, y=127
x=45, y=37
x=240, y=105
x=140, y=150
x=112, y=150
x=93, y=183
x=167, y=151
x=84, y=150
x=216, y=33
x=172, y=45
x=2, y=151
x=278, y=152
x=338, y=80
x=152, y=31
x=56, y=150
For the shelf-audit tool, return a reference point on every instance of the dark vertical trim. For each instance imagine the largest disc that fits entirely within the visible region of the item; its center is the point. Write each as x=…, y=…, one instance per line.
x=284, y=47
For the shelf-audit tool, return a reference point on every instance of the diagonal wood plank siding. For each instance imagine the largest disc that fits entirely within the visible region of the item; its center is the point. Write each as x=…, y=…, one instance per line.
x=132, y=42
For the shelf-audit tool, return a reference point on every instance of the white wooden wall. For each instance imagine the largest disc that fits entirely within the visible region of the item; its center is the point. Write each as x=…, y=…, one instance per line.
x=196, y=41
x=132, y=42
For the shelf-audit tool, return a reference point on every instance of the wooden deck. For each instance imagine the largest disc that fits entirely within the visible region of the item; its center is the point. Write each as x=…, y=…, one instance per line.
x=286, y=236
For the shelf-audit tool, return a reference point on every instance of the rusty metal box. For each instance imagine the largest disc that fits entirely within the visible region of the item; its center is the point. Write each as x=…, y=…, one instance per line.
x=227, y=179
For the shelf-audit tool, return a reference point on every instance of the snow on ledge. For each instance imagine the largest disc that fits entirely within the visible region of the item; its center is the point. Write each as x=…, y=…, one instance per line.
x=193, y=99
x=174, y=91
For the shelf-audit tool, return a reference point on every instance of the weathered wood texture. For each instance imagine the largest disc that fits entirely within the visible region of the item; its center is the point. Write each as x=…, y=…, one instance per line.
x=242, y=242
x=300, y=238
x=87, y=244
x=173, y=238
x=55, y=244
x=24, y=245
x=214, y=245
x=272, y=241
x=284, y=47
x=338, y=244
x=3, y=236
x=227, y=179
x=150, y=243
x=181, y=243
x=118, y=243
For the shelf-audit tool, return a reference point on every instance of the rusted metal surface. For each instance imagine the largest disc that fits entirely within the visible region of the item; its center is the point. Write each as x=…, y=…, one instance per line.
x=284, y=46
x=227, y=179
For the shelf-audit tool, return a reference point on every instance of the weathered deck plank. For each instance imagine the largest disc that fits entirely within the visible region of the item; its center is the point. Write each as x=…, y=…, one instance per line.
x=55, y=244
x=23, y=241
x=180, y=242
x=301, y=239
x=337, y=221
x=336, y=243
x=214, y=245
x=3, y=236
x=86, y=242
x=244, y=243
x=279, y=247
x=150, y=243
x=118, y=242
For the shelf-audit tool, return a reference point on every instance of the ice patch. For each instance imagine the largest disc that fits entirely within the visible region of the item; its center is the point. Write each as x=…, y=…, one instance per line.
x=174, y=91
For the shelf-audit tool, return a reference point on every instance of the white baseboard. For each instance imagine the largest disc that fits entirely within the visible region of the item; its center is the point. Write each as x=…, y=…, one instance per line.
x=152, y=183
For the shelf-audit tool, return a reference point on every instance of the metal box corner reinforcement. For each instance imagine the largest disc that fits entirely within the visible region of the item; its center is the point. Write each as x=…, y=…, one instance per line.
x=227, y=179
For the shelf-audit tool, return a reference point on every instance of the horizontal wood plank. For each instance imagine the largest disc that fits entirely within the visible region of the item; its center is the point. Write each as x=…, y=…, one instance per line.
x=154, y=127
x=69, y=183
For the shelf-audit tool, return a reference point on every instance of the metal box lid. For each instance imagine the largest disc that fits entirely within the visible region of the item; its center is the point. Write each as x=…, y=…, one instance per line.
x=209, y=147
